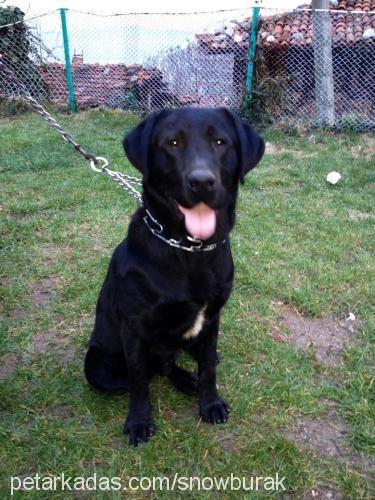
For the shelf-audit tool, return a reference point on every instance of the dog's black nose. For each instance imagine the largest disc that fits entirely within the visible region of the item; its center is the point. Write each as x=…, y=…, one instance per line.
x=201, y=180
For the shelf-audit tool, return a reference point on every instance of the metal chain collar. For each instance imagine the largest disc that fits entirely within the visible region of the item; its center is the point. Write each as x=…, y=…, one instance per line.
x=124, y=180
x=198, y=245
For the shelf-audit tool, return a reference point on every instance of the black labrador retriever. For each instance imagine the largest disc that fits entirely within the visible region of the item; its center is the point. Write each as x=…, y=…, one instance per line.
x=168, y=280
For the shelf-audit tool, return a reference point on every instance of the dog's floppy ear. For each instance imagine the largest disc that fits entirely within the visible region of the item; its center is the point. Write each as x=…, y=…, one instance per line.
x=138, y=141
x=251, y=144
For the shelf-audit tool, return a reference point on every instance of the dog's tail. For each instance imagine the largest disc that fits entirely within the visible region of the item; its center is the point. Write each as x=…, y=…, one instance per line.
x=106, y=372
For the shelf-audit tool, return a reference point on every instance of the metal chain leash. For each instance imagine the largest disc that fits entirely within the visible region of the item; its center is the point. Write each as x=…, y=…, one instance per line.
x=124, y=180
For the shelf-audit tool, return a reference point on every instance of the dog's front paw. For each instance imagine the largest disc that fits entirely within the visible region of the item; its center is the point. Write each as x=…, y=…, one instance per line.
x=215, y=412
x=139, y=430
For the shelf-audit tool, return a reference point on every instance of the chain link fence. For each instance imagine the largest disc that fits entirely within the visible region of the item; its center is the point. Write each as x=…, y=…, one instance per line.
x=310, y=67
x=316, y=68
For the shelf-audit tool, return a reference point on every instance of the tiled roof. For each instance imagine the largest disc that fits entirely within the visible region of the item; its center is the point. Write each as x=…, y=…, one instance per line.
x=352, y=20
x=96, y=84
x=353, y=23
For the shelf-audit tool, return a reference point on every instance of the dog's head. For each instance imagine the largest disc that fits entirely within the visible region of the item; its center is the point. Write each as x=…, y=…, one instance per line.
x=194, y=160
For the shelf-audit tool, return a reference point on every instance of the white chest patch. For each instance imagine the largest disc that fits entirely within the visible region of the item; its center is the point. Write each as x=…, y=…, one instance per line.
x=197, y=326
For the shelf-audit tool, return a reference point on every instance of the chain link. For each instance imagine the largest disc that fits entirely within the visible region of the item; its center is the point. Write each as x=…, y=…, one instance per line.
x=124, y=180
x=145, y=62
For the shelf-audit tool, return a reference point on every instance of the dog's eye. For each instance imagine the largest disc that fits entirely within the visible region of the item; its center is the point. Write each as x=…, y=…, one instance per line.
x=173, y=143
x=220, y=142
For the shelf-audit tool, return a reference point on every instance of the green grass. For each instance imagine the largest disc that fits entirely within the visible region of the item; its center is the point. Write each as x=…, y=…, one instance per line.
x=298, y=240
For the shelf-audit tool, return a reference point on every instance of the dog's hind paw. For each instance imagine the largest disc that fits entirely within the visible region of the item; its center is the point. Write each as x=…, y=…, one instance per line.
x=184, y=381
x=215, y=412
x=139, y=432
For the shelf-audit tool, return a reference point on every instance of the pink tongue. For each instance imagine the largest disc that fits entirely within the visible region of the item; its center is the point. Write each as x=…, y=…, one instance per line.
x=200, y=221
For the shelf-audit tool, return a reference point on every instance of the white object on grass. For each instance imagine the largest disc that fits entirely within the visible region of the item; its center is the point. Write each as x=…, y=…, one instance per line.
x=333, y=177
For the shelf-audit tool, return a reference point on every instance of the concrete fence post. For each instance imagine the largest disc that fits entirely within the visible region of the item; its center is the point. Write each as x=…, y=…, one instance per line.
x=323, y=67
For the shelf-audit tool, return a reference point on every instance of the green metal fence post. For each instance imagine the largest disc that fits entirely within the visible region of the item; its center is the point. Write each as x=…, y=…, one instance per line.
x=68, y=66
x=251, y=55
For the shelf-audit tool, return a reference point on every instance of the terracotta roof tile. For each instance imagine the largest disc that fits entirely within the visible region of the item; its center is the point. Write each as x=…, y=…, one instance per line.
x=296, y=27
x=96, y=84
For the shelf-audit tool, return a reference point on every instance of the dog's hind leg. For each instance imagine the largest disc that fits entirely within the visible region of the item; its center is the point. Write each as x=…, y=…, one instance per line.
x=183, y=380
x=106, y=372
x=105, y=364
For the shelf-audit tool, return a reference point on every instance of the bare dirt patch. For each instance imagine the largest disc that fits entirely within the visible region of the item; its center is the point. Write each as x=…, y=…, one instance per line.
x=52, y=342
x=42, y=291
x=87, y=421
x=190, y=412
x=17, y=313
x=273, y=149
x=327, y=436
x=366, y=150
x=325, y=336
x=302, y=154
x=99, y=247
x=63, y=412
x=229, y=442
x=8, y=365
x=357, y=215
x=52, y=252
x=87, y=320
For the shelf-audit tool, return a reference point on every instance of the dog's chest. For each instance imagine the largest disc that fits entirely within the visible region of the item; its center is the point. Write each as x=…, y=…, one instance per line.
x=197, y=326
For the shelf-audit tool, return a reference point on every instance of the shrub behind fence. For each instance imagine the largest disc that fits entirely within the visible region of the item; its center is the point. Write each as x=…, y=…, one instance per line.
x=143, y=62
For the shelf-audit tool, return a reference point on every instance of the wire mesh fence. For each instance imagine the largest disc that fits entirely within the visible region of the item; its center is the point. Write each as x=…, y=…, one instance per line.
x=310, y=67
x=157, y=61
x=316, y=68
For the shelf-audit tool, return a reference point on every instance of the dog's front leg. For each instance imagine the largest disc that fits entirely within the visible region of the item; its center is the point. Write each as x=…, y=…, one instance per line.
x=212, y=408
x=139, y=424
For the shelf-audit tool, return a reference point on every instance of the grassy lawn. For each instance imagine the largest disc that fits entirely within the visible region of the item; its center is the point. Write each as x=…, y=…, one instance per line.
x=298, y=374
